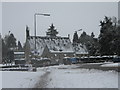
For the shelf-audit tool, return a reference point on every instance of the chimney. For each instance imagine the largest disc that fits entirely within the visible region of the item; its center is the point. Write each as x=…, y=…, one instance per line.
x=27, y=32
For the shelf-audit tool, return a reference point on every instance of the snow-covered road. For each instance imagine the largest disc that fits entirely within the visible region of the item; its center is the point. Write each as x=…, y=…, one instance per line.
x=61, y=76
x=72, y=77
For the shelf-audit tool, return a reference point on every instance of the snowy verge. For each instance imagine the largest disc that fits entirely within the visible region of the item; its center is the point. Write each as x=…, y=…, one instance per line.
x=0, y=80
x=111, y=65
x=20, y=79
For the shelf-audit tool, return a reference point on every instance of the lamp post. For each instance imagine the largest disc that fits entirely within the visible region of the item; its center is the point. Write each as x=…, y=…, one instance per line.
x=78, y=30
x=35, y=24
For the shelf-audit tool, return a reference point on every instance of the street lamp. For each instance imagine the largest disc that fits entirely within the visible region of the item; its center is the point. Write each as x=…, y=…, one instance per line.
x=35, y=24
x=78, y=30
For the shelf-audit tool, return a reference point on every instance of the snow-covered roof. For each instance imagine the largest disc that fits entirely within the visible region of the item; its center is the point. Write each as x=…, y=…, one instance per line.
x=20, y=59
x=40, y=45
x=54, y=44
x=19, y=52
x=80, y=49
x=52, y=51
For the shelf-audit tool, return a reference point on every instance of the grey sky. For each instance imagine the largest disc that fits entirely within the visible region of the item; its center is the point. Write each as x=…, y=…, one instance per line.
x=67, y=17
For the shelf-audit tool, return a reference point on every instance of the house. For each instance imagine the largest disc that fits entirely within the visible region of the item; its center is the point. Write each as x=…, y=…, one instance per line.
x=49, y=46
x=19, y=57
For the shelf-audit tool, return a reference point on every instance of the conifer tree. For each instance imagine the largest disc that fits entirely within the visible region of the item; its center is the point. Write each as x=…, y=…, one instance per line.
x=10, y=41
x=75, y=37
x=106, y=37
x=52, y=31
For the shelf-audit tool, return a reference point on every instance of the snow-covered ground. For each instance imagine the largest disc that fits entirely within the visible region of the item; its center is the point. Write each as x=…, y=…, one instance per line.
x=0, y=80
x=2, y=65
x=61, y=76
x=111, y=65
x=13, y=79
x=82, y=78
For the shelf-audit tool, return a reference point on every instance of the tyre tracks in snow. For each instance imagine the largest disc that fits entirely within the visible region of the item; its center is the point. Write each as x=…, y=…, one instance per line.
x=44, y=80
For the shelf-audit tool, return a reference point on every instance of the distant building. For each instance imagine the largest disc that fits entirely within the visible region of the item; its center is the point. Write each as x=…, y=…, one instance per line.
x=53, y=47
x=19, y=57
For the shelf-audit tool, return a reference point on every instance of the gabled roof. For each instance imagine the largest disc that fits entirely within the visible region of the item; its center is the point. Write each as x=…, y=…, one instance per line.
x=54, y=44
x=80, y=49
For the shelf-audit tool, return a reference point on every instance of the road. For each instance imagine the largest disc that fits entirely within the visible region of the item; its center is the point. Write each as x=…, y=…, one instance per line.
x=43, y=82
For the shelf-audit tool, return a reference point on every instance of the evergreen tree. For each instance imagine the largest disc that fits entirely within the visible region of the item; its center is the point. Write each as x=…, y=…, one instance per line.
x=107, y=34
x=116, y=42
x=83, y=34
x=9, y=44
x=75, y=37
x=91, y=43
x=10, y=41
x=52, y=31
x=4, y=51
x=10, y=55
x=84, y=38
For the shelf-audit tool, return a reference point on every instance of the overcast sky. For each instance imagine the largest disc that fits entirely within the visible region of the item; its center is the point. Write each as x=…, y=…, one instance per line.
x=67, y=17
